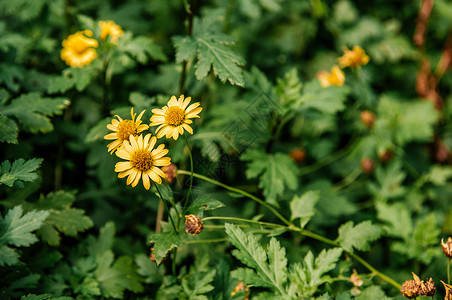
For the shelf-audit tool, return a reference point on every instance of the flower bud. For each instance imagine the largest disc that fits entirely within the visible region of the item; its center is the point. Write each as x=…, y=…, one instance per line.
x=447, y=247
x=385, y=156
x=170, y=172
x=367, y=165
x=368, y=118
x=298, y=155
x=193, y=224
x=410, y=289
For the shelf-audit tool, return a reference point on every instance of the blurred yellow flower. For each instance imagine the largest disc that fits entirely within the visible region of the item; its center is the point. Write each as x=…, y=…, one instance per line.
x=142, y=160
x=112, y=29
x=174, y=117
x=123, y=129
x=78, y=49
x=336, y=77
x=353, y=58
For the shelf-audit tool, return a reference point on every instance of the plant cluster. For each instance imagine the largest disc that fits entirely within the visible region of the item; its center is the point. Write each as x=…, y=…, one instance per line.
x=223, y=149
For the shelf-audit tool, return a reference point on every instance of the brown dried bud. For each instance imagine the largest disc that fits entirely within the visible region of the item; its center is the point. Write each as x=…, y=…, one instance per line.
x=447, y=247
x=240, y=287
x=410, y=289
x=368, y=118
x=448, y=289
x=193, y=224
x=427, y=288
x=367, y=165
x=298, y=155
x=385, y=156
x=170, y=172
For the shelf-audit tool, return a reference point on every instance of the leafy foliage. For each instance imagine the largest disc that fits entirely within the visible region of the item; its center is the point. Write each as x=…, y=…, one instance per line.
x=276, y=173
x=211, y=50
x=16, y=229
x=359, y=236
x=19, y=171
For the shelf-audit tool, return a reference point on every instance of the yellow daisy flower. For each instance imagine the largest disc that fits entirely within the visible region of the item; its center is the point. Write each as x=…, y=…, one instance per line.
x=78, y=49
x=142, y=160
x=123, y=129
x=336, y=77
x=175, y=117
x=112, y=29
x=353, y=58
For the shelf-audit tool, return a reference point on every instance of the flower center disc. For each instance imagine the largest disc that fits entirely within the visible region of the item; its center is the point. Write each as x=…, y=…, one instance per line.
x=175, y=116
x=142, y=160
x=125, y=129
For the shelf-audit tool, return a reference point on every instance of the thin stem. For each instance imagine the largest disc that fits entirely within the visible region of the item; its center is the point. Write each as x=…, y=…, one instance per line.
x=239, y=191
x=158, y=224
x=167, y=208
x=302, y=231
x=190, y=14
x=105, y=89
x=448, y=271
x=191, y=174
x=243, y=220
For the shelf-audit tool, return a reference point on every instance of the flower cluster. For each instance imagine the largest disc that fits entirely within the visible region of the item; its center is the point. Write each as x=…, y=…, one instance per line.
x=143, y=160
x=79, y=49
x=413, y=288
x=352, y=58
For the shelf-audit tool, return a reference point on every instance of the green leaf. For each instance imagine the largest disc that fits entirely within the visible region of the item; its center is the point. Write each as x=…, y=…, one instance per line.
x=288, y=89
x=148, y=269
x=439, y=175
x=88, y=287
x=116, y=276
x=8, y=130
x=163, y=242
x=79, y=78
x=105, y=240
x=203, y=203
x=358, y=236
x=141, y=48
x=33, y=111
x=271, y=273
x=422, y=243
x=372, y=292
x=212, y=51
x=16, y=230
x=309, y=275
x=390, y=181
x=403, y=122
x=63, y=218
x=397, y=217
x=303, y=206
x=276, y=172
x=20, y=170
x=98, y=131
x=328, y=100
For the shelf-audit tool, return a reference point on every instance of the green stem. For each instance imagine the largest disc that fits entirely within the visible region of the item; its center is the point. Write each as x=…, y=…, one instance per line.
x=292, y=227
x=167, y=208
x=191, y=174
x=243, y=220
x=347, y=180
x=232, y=189
x=448, y=271
x=190, y=13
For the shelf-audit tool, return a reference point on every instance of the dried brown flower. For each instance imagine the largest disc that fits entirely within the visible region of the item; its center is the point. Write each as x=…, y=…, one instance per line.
x=410, y=289
x=368, y=118
x=298, y=155
x=170, y=172
x=447, y=247
x=193, y=224
x=367, y=165
x=427, y=288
